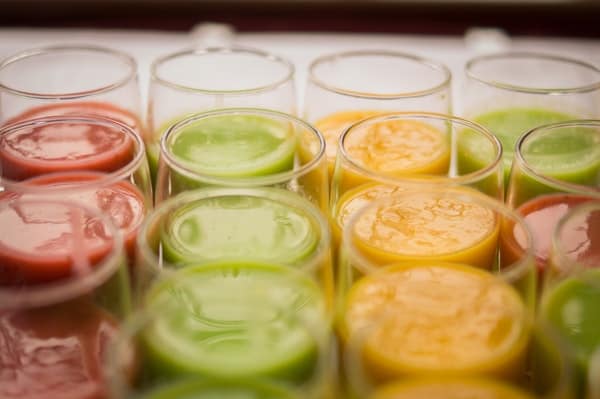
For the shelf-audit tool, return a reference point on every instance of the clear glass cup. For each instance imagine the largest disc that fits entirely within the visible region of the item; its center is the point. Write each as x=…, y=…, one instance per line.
x=70, y=80
x=243, y=147
x=396, y=152
x=197, y=80
x=556, y=167
x=261, y=224
x=571, y=290
x=96, y=161
x=556, y=158
x=512, y=93
x=427, y=281
x=227, y=327
x=64, y=290
x=344, y=88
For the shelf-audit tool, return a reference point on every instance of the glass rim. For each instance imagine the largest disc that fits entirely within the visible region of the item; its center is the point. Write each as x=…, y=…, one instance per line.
x=562, y=185
x=155, y=65
x=433, y=65
x=425, y=178
x=253, y=181
x=532, y=55
x=144, y=315
x=509, y=273
x=46, y=294
x=283, y=196
x=103, y=179
x=558, y=252
x=41, y=51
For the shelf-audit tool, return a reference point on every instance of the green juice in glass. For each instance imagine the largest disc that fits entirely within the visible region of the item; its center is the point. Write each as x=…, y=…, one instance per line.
x=571, y=307
x=203, y=389
x=569, y=154
x=235, y=320
x=231, y=147
x=272, y=228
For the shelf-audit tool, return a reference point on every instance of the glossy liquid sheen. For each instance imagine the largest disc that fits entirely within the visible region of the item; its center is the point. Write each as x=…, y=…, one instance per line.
x=418, y=227
x=232, y=226
x=542, y=215
x=234, y=320
x=396, y=148
x=66, y=146
x=121, y=201
x=47, y=243
x=235, y=146
x=438, y=317
x=55, y=353
x=354, y=200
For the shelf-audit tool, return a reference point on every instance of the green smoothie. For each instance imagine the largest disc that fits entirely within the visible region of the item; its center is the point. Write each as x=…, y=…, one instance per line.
x=270, y=229
x=572, y=309
x=568, y=154
x=508, y=125
x=234, y=146
x=234, y=320
x=203, y=389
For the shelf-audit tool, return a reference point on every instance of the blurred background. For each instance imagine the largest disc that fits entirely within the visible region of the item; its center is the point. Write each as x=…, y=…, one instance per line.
x=569, y=18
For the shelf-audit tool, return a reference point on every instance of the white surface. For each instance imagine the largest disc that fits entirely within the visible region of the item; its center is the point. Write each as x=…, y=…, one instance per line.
x=301, y=48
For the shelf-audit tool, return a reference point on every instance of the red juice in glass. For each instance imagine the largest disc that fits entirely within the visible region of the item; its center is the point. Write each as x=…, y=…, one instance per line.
x=542, y=215
x=59, y=262
x=121, y=201
x=55, y=352
x=38, y=148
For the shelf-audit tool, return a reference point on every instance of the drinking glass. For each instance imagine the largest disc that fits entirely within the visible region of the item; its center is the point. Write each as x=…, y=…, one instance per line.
x=262, y=224
x=556, y=167
x=196, y=80
x=243, y=147
x=571, y=290
x=556, y=158
x=227, y=327
x=70, y=80
x=344, y=88
x=421, y=271
x=64, y=290
x=96, y=161
x=395, y=152
x=512, y=93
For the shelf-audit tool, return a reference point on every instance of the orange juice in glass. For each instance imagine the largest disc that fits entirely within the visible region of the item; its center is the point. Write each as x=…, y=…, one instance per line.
x=395, y=152
x=424, y=289
x=339, y=93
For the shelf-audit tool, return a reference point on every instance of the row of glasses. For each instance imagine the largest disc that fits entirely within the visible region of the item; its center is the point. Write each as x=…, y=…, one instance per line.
x=197, y=176
x=74, y=190
x=505, y=92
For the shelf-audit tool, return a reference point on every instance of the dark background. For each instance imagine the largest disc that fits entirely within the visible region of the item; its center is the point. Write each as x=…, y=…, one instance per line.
x=570, y=18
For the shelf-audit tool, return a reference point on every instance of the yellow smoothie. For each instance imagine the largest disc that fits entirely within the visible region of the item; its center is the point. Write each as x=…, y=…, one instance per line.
x=332, y=126
x=355, y=199
x=422, y=227
x=394, y=148
x=450, y=388
x=437, y=319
